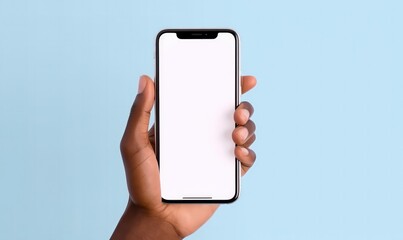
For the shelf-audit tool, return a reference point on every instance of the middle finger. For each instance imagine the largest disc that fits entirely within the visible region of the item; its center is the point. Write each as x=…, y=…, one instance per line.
x=242, y=133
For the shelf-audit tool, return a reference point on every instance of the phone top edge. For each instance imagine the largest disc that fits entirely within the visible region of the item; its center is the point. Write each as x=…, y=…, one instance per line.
x=196, y=29
x=181, y=30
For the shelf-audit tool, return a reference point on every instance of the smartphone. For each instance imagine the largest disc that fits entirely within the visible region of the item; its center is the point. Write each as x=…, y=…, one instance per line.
x=197, y=92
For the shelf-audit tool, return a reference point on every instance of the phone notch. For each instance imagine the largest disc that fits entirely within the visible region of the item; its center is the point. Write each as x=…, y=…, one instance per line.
x=197, y=34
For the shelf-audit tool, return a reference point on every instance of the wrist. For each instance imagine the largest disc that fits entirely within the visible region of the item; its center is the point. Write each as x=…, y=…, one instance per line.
x=139, y=223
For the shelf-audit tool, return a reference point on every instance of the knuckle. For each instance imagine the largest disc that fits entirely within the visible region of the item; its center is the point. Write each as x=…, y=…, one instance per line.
x=253, y=158
x=251, y=126
x=248, y=106
x=251, y=140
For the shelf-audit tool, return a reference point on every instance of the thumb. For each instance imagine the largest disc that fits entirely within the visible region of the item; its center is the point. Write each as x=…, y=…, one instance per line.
x=135, y=137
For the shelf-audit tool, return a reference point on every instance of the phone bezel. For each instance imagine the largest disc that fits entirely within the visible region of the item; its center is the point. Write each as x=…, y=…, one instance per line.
x=197, y=34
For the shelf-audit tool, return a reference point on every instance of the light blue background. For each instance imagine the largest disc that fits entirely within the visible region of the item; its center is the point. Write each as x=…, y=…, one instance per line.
x=329, y=112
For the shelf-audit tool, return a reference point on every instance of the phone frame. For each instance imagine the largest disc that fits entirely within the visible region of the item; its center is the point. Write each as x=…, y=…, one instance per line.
x=197, y=34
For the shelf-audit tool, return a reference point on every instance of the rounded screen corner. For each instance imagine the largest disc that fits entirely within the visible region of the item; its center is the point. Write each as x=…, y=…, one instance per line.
x=232, y=32
x=162, y=32
x=234, y=198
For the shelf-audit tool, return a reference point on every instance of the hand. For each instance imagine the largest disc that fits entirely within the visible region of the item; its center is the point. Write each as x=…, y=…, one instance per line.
x=142, y=173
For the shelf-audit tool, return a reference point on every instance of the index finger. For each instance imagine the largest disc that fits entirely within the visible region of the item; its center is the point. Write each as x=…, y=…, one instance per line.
x=247, y=83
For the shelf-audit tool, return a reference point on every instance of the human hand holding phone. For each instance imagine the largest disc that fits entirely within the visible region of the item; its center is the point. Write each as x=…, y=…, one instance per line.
x=145, y=214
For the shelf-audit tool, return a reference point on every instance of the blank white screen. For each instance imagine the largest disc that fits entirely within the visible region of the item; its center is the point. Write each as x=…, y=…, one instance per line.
x=197, y=87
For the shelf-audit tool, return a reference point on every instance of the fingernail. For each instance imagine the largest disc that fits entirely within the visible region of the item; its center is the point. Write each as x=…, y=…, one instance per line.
x=244, y=114
x=243, y=133
x=244, y=151
x=142, y=84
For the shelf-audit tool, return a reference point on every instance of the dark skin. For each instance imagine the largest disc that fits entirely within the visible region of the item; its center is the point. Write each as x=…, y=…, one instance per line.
x=146, y=217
